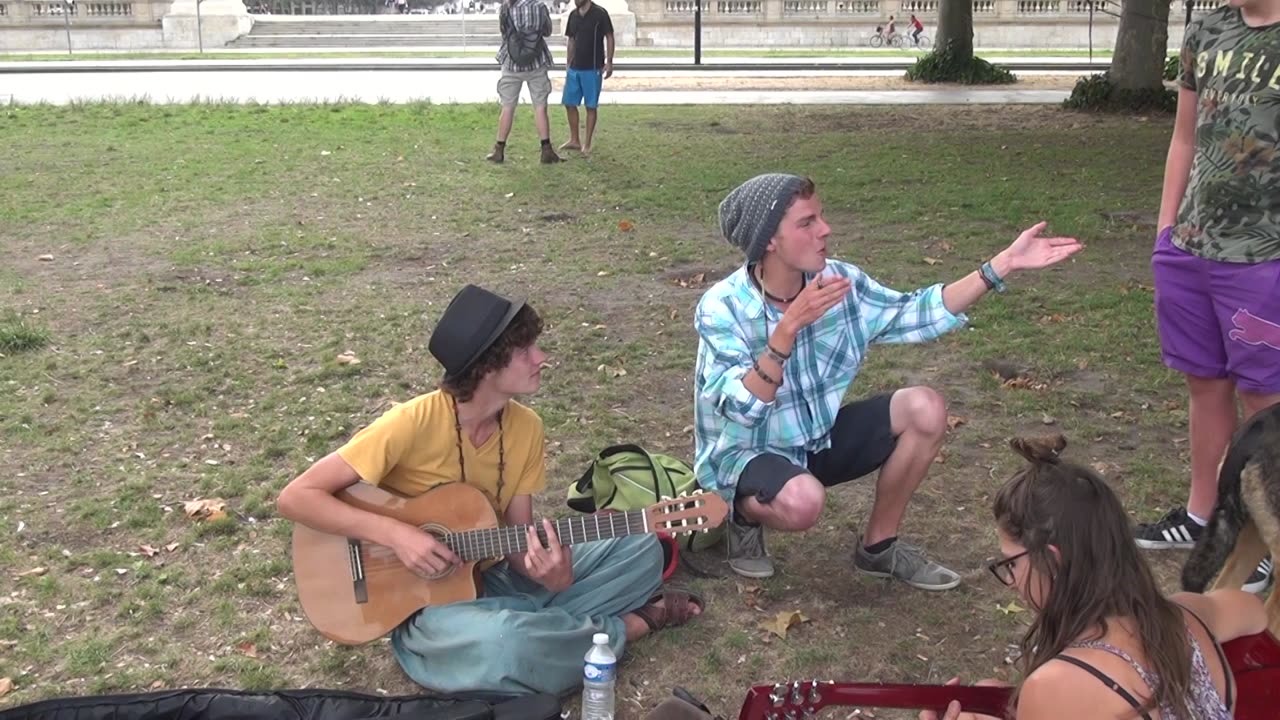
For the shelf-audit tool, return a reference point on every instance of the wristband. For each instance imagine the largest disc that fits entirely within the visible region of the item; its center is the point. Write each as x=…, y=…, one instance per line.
x=765, y=376
x=777, y=353
x=990, y=277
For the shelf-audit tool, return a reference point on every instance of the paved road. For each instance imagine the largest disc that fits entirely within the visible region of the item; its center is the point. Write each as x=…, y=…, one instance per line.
x=478, y=64
x=401, y=86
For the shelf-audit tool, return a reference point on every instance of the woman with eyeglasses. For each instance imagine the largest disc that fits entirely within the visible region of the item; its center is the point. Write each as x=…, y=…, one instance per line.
x=1105, y=642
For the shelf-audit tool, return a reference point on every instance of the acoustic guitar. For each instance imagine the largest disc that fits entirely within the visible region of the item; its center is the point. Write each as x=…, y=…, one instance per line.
x=1254, y=661
x=354, y=592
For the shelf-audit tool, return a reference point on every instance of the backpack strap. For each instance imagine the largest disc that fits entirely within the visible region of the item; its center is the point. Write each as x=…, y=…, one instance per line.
x=585, y=502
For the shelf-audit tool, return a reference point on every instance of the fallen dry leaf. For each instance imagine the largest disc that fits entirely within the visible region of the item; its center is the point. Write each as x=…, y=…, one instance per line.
x=5, y=686
x=347, y=358
x=148, y=550
x=1012, y=608
x=932, y=260
x=612, y=371
x=247, y=649
x=784, y=621
x=205, y=509
x=157, y=684
x=955, y=421
x=45, y=258
x=626, y=226
x=171, y=547
x=1024, y=383
x=34, y=572
x=1105, y=468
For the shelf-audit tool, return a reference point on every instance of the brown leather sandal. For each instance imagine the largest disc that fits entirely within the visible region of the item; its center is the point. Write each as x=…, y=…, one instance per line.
x=677, y=608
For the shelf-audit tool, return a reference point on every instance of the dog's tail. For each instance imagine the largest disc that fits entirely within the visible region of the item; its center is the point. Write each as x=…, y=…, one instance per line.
x=1229, y=513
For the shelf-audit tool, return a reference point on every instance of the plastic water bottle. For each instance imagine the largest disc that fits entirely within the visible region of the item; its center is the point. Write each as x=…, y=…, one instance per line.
x=599, y=671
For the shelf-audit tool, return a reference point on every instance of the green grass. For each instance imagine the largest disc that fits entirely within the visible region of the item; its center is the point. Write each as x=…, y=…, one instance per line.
x=213, y=260
x=19, y=334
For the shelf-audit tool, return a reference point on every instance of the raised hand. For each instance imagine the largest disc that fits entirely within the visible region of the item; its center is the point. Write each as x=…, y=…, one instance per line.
x=819, y=296
x=1033, y=252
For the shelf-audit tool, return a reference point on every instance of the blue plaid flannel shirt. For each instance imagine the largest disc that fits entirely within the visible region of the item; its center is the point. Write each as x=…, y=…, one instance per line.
x=733, y=426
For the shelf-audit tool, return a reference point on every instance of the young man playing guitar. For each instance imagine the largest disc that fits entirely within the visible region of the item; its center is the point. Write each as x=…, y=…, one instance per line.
x=538, y=609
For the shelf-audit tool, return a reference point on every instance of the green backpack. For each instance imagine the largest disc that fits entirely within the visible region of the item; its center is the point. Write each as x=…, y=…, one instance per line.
x=628, y=477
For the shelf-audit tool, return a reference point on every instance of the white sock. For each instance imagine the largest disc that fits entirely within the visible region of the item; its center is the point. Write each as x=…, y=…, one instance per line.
x=1197, y=519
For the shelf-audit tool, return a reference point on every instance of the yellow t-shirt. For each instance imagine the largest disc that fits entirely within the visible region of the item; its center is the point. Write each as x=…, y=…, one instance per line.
x=414, y=446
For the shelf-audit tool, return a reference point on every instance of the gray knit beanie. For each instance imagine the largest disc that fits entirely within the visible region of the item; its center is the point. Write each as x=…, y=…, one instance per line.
x=749, y=215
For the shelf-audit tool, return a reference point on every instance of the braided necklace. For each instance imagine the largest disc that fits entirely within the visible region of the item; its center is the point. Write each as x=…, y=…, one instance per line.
x=771, y=296
x=502, y=450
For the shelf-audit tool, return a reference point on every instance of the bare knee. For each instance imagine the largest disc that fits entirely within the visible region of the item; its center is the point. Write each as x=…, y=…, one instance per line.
x=919, y=410
x=799, y=504
x=1255, y=403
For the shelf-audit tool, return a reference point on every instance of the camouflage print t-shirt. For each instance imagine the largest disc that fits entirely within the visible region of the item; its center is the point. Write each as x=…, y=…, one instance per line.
x=1231, y=209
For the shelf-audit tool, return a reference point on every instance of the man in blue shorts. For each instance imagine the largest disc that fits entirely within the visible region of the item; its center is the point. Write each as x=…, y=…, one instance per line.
x=590, y=53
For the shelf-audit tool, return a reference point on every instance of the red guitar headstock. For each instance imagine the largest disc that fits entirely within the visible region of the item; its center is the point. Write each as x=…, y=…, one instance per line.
x=795, y=700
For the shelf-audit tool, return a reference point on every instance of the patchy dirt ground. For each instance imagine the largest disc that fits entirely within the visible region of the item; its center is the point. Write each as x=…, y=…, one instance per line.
x=198, y=270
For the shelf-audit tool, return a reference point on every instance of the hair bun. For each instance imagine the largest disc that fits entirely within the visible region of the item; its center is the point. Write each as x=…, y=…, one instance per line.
x=1040, y=448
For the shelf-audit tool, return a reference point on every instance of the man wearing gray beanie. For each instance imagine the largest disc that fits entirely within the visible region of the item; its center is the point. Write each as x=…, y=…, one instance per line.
x=780, y=341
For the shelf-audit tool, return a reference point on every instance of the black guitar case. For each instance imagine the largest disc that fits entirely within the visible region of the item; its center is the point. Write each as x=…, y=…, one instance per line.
x=217, y=704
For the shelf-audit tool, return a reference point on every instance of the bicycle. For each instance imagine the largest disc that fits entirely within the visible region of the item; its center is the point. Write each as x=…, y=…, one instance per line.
x=923, y=42
x=898, y=40
x=878, y=39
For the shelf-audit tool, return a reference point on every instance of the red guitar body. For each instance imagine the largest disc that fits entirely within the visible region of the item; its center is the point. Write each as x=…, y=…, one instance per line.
x=1254, y=661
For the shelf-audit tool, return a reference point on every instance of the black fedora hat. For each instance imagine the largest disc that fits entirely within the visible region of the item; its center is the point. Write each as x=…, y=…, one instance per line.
x=470, y=325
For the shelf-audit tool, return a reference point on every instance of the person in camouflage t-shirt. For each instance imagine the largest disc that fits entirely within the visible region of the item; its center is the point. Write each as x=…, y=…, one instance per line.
x=1216, y=261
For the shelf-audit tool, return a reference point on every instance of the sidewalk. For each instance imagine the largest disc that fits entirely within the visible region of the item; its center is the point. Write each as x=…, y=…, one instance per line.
x=1065, y=65
x=441, y=87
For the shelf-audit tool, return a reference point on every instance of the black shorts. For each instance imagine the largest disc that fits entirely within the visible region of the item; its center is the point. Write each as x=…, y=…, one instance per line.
x=861, y=440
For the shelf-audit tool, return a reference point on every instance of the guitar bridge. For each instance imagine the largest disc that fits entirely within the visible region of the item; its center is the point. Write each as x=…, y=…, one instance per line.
x=357, y=571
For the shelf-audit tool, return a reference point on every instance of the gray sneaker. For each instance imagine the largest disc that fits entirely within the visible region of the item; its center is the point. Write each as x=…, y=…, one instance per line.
x=907, y=563
x=747, y=555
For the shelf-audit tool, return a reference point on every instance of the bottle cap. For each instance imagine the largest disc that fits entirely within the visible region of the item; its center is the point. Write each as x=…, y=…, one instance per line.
x=600, y=638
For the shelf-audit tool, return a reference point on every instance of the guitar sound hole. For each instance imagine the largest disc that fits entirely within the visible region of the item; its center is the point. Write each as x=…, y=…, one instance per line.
x=440, y=533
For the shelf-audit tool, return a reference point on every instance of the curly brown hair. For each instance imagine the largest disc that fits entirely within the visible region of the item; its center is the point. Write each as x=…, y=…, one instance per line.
x=523, y=331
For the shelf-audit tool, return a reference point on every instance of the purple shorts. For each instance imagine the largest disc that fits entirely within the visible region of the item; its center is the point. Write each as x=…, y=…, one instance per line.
x=1218, y=319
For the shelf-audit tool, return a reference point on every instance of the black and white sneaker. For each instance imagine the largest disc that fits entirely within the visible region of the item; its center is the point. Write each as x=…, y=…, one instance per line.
x=1175, y=530
x=1261, y=577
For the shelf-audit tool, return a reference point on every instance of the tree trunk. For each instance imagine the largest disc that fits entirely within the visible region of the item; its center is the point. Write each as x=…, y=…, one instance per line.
x=955, y=28
x=1141, y=45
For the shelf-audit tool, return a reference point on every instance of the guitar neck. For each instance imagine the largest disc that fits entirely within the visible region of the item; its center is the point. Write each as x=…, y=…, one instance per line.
x=483, y=544
x=772, y=702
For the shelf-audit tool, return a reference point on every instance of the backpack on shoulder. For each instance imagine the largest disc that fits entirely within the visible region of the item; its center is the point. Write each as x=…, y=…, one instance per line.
x=524, y=47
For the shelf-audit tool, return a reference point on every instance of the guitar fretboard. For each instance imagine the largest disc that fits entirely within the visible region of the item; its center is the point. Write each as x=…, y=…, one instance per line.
x=472, y=545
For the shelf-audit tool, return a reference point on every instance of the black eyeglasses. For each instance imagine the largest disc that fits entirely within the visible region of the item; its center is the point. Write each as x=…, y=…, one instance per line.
x=1003, y=568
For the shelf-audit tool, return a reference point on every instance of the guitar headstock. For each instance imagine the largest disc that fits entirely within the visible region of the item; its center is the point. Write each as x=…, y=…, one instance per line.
x=686, y=514
x=795, y=700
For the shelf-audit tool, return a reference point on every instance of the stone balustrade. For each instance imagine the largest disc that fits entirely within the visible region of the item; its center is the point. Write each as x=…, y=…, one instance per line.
x=82, y=12
x=1103, y=11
